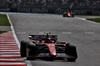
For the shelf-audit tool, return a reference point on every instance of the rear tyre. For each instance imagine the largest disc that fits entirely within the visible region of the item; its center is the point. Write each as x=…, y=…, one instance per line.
x=32, y=51
x=23, y=46
x=72, y=15
x=63, y=15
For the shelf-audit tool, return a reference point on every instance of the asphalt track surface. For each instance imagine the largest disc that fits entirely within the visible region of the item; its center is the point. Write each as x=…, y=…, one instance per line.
x=85, y=34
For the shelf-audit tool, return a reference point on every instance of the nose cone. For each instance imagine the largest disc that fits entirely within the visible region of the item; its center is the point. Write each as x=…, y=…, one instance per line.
x=52, y=49
x=54, y=54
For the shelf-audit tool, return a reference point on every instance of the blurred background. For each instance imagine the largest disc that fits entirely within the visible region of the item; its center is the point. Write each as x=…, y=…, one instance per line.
x=79, y=7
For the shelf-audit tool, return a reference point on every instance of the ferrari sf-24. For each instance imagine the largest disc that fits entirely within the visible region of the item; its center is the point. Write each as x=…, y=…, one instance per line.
x=47, y=46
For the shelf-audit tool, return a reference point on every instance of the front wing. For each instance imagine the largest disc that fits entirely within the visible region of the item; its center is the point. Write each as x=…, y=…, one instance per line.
x=59, y=55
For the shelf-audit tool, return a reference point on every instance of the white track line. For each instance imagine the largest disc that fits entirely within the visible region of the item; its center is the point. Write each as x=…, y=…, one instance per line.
x=80, y=18
x=8, y=52
x=6, y=44
x=87, y=20
x=5, y=63
x=9, y=55
x=8, y=48
x=8, y=40
x=14, y=34
x=12, y=59
x=17, y=41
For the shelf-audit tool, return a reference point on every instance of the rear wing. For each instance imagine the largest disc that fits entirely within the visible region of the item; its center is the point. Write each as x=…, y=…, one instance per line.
x=36, y=37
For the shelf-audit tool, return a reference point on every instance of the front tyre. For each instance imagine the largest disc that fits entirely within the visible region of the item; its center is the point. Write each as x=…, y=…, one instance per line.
x=71, y=59
x=71, y=51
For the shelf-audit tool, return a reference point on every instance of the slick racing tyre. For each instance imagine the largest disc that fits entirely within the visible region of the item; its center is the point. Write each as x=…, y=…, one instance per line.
x=72, y=15
x=32, y=49
x=71, y=59
x=27, y=49
x=23, y=46
x=63, y=15
x=71, y=50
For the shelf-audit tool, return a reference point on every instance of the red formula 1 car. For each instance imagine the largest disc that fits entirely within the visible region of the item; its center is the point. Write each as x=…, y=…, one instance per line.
x=47, y=46
x=68, y=14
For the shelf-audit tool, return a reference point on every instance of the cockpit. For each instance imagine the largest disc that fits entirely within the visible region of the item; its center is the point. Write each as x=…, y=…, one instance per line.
x=43, y=38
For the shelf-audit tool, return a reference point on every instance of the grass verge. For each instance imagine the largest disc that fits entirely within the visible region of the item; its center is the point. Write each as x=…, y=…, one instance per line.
x=2, y=32
x=94, y=19
x=4, y=20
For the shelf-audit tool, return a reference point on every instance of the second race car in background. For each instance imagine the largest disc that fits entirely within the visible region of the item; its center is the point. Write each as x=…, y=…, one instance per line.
x=47, y=46
x=68, y=14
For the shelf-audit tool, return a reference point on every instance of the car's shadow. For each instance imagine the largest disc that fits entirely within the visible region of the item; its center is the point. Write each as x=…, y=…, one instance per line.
x=49, y=59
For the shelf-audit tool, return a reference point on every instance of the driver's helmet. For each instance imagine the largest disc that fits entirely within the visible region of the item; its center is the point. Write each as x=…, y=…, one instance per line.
x=30, y=37
x=47, y=40
x=53, y=40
